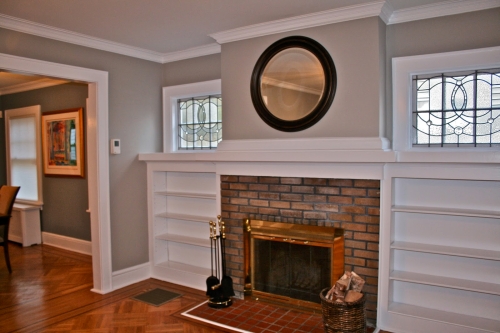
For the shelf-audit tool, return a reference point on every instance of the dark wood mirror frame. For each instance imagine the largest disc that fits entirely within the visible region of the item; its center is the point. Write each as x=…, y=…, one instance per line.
x=329, y=88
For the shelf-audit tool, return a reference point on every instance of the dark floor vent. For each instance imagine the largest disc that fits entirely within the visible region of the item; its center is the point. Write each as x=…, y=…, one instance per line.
x=156, y=297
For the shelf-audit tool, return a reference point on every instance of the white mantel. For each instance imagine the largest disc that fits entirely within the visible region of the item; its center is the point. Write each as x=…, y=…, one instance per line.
x=333, y=150
x=324, y=150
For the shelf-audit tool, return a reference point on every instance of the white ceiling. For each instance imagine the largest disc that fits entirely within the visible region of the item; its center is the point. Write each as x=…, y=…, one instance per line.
x=166, y=26
x=157, y=29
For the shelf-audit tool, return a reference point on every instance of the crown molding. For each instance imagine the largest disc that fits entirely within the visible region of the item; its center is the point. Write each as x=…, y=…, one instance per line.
x=300, y=22
x=195, y=52
x=32, y=28
x=38, y=84
x=379, y=8
x=386, y=12
x=451, y=7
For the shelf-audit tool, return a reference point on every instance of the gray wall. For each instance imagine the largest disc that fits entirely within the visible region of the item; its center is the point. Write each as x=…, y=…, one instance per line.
x=192, y=70
x=444, y=34
x=355, y=111
x=135, y=113
x=65, y=199
x=134, y=117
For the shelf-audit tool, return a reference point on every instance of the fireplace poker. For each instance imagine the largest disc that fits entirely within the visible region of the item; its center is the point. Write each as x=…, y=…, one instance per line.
x=212, y=280
x=226, y=281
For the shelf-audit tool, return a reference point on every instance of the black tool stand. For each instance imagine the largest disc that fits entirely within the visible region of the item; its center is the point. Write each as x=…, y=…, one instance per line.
x=219, y=301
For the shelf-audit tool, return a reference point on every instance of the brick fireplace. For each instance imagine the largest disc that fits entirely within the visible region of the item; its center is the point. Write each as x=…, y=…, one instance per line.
x=350, y=204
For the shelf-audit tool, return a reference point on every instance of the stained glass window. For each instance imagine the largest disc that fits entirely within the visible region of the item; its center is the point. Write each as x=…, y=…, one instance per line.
x=457, y=109
x=200, y=122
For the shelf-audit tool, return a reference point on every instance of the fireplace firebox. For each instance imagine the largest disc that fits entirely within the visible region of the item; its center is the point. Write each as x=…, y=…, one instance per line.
x=291, y=263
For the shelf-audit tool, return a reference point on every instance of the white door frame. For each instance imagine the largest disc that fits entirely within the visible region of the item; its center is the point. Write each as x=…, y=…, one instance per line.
x=97, y=159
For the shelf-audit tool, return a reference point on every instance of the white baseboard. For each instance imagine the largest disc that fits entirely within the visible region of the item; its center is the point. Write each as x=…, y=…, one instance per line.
x=67, y=243
x=120, y=279
x=131, y=275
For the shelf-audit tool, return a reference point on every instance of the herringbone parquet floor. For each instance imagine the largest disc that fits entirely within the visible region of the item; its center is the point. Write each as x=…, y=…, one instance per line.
x=49, y=291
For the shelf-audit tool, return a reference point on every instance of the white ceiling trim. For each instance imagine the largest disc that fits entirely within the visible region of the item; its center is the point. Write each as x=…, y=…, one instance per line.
x=300, y=22
x=191, y=53
x=38, y=84
x=377, y=8
x=32, y=28
x=441, y=9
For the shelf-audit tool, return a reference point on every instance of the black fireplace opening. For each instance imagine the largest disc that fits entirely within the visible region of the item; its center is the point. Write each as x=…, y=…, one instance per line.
x=294, y=270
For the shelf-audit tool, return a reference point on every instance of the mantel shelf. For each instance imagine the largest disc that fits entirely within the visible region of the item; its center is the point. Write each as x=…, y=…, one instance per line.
x=187, y=194
x=447, y=282
x=447, y=250
x=186, y=217
x=485, y=324
x=447, y=211
x=185, y=239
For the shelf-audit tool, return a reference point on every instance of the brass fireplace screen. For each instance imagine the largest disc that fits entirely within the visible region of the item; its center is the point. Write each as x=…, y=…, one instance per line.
x=291, y=263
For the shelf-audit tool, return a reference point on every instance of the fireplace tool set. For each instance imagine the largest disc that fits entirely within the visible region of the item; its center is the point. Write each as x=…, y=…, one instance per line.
x=219, y=285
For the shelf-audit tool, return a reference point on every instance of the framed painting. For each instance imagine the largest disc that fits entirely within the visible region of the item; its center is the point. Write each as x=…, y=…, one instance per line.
x=62, y=143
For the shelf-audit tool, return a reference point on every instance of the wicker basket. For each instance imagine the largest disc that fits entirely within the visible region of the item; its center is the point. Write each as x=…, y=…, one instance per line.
x=343, y=317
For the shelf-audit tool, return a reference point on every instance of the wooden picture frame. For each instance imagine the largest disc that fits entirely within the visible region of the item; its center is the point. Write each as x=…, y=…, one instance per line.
x=62, y=143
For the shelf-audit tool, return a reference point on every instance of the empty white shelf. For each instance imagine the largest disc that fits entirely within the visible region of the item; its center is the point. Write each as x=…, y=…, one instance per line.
x=447, y=250
x=446, y=211
x=187, y=194
x=186, y=217
x=204, y=272
x=485, y=324
x=185, y=239
x=441, y=281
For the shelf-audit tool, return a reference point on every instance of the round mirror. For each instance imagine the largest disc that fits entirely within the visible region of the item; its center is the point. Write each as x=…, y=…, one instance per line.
x=293, y=83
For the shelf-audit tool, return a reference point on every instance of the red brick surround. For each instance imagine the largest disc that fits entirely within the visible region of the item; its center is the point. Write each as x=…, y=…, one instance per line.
x=351, y=204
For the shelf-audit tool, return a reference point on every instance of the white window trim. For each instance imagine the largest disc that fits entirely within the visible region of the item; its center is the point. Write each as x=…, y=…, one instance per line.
x=29, y=111
x=170, y=96
x=403, y=69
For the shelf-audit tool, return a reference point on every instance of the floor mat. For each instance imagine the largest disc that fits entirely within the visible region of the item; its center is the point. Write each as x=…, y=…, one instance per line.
x=156, y=296
x=250, y=316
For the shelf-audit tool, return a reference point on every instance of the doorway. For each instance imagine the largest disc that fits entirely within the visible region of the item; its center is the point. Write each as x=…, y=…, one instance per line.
x=98, y=159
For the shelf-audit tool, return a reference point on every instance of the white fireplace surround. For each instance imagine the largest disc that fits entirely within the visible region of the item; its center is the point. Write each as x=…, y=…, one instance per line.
x=461, y=185
x=439, y=209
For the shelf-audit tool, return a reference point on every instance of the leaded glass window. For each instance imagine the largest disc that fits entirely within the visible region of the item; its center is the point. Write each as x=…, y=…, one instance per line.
x=200, y=122
x=457, y=110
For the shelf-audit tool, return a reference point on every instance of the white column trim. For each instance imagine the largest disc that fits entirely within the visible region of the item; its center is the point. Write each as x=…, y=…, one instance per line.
x=98, y=159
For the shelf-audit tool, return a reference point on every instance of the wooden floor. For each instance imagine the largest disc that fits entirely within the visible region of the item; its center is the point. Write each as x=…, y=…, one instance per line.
x=49, y=291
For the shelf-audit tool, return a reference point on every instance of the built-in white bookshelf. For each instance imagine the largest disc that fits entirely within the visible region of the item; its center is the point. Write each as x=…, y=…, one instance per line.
x=444, y=252
x=181, y=204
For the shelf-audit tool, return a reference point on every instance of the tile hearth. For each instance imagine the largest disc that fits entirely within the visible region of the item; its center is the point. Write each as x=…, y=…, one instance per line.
x=252, y=316
x=259, y=317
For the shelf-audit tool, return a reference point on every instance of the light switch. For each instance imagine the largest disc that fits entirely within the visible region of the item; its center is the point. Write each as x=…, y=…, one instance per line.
x=115, y=146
